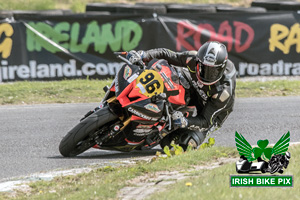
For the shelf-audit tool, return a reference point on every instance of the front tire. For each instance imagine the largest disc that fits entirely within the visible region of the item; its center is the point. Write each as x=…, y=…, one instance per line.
x=72, y=144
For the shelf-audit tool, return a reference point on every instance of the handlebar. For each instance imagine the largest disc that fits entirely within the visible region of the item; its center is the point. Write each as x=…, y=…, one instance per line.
x=121, y=53
x=124, y=53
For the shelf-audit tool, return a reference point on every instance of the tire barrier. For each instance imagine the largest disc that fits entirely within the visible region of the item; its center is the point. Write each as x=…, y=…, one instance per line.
x=277, y=5
x=106, y=7
x=127, y=8
x=257, y=6
x=20, y=14
x=291, y=6
x=241, y=9
x=192, y=8
x=92, y=13
x=269, y=5
x=142, y=9
x=5, y=14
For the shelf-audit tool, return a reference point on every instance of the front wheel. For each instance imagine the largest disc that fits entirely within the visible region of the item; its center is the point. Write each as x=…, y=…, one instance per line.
x=77, y=140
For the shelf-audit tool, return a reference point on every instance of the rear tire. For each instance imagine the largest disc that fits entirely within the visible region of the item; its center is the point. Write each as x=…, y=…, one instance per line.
x=69, y=146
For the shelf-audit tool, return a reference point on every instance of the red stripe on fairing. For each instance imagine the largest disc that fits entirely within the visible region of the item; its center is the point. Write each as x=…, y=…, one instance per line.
x=136, y=118
x=150, y=144
x=133, y=143
x=145, y=126
x=187, y=114
x=96, y=146
x=113, y=89
x=178, y=99
x=130, y=91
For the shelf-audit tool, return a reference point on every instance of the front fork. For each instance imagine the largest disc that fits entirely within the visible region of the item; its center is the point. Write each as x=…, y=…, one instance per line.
x=117, y=127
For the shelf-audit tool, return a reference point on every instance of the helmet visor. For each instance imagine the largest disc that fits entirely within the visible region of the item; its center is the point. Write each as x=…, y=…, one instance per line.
x=209, y=74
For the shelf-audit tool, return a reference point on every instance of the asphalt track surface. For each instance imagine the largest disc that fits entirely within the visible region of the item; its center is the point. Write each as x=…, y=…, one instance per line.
x=30, y=135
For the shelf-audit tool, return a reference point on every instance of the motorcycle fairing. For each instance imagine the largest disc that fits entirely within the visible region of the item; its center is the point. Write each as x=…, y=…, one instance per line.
x=148, y=108
x=122, y=79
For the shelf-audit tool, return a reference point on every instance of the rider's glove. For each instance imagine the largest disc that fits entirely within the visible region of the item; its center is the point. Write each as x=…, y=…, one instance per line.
x=135, y=57
x=179, y=120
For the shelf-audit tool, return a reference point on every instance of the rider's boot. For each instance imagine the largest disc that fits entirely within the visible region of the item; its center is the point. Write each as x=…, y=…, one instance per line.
x=184, y=138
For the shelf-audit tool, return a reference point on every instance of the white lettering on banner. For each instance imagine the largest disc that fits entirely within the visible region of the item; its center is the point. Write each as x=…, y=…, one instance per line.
x=23, y=71
x=266, y=69
x=55, y=70
x=101, y=69
x=69, y=69
x=88, y=69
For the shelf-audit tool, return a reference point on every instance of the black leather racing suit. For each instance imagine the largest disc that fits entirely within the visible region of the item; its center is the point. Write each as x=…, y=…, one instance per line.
x=215, y=102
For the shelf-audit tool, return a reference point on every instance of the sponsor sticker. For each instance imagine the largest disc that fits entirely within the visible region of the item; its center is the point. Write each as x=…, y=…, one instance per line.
x=127, y=72
x=152, y=107
x=137, y=113
x=142, y=89
x=132, y=78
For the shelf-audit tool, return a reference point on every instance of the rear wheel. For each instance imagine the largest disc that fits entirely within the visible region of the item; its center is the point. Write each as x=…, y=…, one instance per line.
x=78, y=139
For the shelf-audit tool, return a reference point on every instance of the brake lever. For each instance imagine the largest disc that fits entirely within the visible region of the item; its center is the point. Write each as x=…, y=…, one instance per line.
x=169, y=106
x=169, y=116
x=142, y=64
x=124, y=59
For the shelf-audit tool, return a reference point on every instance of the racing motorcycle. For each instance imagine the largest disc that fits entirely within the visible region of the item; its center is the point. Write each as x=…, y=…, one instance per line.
x=135, y=113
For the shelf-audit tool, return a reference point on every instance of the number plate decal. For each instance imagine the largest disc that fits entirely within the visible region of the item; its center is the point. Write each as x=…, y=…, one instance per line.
x=151, y=81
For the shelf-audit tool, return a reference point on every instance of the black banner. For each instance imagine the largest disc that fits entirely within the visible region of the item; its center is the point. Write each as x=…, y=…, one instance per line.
x=77, y=46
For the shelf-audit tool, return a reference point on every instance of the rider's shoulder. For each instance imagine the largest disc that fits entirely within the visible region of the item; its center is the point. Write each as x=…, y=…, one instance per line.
x=189, y=53
x=230, y=71
x=192, y=53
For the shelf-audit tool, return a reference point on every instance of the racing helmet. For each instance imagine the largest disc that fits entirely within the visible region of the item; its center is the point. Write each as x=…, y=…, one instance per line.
x=211, y=57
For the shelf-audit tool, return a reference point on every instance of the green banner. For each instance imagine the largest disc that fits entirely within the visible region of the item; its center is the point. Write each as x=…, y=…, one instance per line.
x=261, y=181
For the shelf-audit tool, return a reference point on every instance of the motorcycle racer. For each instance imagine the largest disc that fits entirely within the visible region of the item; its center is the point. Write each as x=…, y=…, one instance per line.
x=212, y=81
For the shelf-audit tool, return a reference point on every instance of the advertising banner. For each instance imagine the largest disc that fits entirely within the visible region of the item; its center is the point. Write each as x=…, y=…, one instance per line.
x=82, y=45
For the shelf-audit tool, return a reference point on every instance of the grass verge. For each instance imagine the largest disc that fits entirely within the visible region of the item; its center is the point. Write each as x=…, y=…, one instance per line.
x=104, y=183
x=84, y=91
x=214, y=185
x=67, y=91
x=268, y=88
